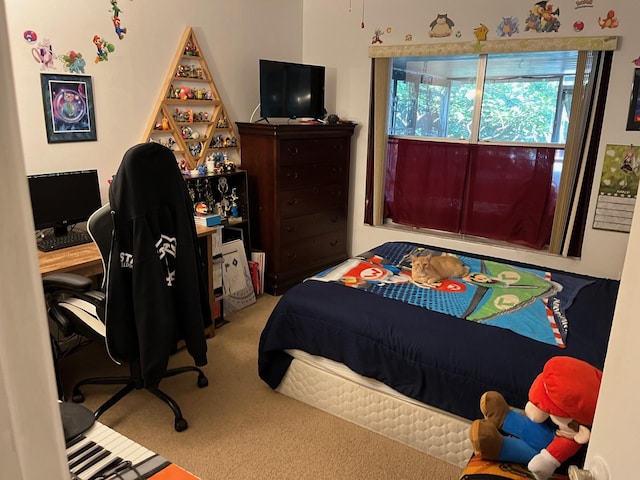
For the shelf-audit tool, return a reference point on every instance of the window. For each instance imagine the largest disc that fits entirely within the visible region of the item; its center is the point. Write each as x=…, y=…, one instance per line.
x=489, y=145
x=525, y=97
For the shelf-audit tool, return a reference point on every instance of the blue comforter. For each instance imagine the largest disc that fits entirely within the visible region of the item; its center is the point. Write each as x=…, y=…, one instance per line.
x=438, y=359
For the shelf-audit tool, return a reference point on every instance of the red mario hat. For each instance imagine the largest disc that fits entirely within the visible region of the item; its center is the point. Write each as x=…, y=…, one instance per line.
x=568, y=388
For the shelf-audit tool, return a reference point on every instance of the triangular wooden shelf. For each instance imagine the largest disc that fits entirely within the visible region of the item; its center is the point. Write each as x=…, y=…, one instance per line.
x=190, y=117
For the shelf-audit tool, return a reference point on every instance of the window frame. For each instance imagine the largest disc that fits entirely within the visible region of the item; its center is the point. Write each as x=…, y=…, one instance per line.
x=380, y=87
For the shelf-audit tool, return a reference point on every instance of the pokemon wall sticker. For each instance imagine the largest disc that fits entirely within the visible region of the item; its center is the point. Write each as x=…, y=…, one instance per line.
x=441, y=26
x=508, y=26
x=43, y=54
x=481, y=32
x=610, y=21
x=543, y=17
x=73, y=62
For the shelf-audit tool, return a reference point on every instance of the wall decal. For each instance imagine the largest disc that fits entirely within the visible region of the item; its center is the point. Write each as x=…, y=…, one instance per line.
x=104, y=49
x=508, y=26
x=376, y=36
x=30, y=36
x=610, y=21
x=73, y=62
x=43, y=54
x=543, y=17
x=481, y=32
x=441, y=26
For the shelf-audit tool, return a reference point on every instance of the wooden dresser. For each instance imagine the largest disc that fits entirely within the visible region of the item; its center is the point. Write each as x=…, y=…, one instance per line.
x=299, y=186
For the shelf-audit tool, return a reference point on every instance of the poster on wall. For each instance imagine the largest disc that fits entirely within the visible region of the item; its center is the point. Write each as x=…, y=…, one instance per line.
x=618, y=188
x=633, y=118
x=68, y=108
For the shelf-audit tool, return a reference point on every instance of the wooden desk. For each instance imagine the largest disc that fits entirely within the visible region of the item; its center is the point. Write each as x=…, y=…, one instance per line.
x=86, y=260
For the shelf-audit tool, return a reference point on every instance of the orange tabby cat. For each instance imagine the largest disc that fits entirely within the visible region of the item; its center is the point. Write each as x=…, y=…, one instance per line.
x=430, y=269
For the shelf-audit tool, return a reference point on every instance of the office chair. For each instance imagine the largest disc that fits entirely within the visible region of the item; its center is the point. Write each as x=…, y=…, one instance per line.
x=77, y=308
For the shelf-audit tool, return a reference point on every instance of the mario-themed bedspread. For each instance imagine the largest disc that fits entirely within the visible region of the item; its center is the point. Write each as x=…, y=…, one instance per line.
x=524, y=300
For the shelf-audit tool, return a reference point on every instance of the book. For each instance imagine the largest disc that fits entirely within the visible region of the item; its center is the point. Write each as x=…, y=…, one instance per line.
x=255, y=276
x=259, y=257
x=208, y=220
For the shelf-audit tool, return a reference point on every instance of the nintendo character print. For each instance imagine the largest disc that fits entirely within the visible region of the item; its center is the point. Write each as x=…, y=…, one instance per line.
x=508, y=26
x=543, y=17
x=44, y=55
x=609, y=21
x=117, y=23
x=441, y=26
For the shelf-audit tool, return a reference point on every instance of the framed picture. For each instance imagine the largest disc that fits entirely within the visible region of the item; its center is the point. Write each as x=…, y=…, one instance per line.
x=633, y=120
x=68, y=108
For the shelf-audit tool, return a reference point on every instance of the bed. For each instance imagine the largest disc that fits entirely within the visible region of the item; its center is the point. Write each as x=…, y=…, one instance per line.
x=360, y=341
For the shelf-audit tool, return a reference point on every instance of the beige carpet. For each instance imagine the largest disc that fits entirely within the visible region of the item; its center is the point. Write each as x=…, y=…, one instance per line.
x=239, y=428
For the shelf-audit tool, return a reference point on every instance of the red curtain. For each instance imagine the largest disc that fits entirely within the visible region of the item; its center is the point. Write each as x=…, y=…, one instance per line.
x=499, y=192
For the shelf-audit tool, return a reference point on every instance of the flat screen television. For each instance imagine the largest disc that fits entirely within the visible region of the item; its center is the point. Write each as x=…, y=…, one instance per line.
x=291, y=90
x=62, y=199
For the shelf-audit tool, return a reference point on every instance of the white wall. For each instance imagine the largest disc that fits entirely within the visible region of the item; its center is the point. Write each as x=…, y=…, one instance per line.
x=233, y=36
x=343, y=48
x=28, y=399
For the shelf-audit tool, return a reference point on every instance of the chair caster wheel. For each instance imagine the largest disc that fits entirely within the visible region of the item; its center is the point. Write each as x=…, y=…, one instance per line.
x=77, y=398
x=202, y=381
x=181, y=425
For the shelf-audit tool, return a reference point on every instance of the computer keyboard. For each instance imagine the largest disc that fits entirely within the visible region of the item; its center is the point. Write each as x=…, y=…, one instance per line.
x=51, y=243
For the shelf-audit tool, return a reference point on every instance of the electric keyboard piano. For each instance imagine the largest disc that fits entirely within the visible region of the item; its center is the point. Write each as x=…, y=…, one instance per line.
x=101, y=452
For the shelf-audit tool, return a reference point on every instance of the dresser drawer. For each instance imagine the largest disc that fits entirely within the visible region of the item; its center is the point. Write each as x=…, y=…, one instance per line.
x=296, y=151
x=313, y=251
x=312, y=173
x=305, y=201
x=298, y=228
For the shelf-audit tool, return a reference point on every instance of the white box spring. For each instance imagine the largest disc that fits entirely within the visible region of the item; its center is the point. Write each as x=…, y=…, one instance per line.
x=335, y=389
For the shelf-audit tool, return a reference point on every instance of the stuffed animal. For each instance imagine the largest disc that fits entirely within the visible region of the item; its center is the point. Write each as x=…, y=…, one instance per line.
x=566, y=392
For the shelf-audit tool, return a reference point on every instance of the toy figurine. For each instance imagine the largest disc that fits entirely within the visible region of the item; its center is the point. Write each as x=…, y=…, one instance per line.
x=566, y=393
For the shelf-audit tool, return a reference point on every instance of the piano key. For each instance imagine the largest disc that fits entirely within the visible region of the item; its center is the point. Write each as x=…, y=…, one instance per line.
x=102, y=449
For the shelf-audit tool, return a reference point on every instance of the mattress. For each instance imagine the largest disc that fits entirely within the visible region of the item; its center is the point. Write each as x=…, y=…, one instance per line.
x=335, y=389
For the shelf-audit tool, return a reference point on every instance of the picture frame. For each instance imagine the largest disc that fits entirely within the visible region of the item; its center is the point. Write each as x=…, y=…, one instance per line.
x=69, y=112
x=633, y=119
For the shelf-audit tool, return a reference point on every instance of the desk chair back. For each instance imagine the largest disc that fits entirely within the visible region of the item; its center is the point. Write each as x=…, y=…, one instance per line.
x=100, y=228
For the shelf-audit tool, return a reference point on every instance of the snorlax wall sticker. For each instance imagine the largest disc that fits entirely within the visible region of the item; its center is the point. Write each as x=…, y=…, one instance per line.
x=441, y=26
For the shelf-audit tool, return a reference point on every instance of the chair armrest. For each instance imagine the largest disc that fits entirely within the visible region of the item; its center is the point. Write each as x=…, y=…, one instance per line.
x=66, y=281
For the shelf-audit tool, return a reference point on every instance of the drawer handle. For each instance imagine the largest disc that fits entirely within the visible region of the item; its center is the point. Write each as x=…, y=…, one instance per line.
x=293, y=175
x=293, y=202
x=293, y=228
x=293, y=150
x=333, y=243
x=292, y=255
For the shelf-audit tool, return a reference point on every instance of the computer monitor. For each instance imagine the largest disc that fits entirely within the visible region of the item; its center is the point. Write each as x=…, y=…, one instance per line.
x=63, y=199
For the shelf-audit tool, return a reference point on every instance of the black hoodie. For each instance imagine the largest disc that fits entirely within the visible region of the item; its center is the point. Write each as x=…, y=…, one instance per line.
x=156, y=289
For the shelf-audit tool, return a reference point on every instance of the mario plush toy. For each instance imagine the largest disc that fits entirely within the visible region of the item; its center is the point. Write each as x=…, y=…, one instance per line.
x=566, y=392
